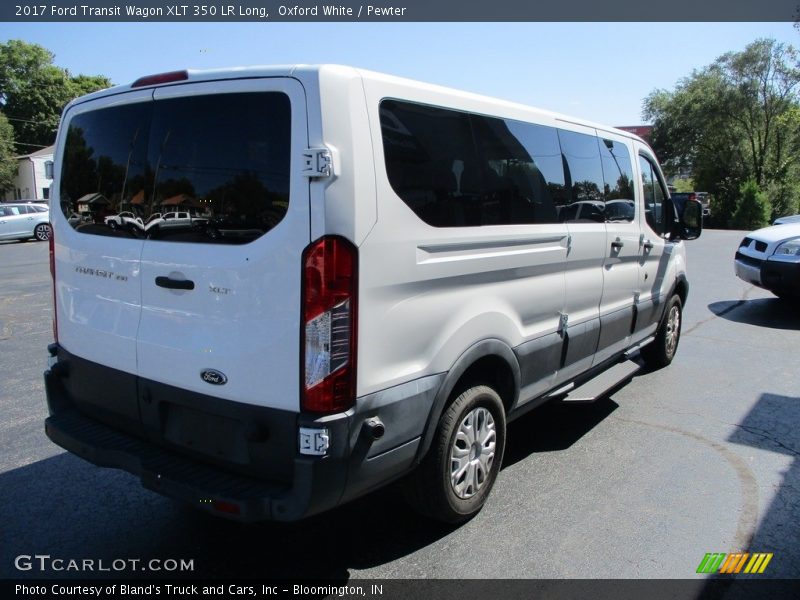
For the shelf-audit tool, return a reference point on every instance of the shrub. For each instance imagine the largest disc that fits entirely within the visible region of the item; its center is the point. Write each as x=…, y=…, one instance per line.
x=753, y=208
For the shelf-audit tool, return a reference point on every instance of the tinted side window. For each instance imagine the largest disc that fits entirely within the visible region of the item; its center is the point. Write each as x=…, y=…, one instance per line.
x=618, y=177
x=653, y=197
x=456, y=169
x=584, y=177
x=220, y=163
x=525, y=171
x=427, y=151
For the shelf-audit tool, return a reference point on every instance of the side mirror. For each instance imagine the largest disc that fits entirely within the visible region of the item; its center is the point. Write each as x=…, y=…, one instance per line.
x=687, y=218
x=691, y=220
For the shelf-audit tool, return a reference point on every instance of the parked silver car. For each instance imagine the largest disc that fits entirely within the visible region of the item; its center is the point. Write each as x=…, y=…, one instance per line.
x=787, y=220
x=22, y=221
x=770, y=258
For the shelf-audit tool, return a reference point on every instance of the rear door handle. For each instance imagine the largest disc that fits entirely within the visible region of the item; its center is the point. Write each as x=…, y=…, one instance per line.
x=617, y=244
x=174, y=284
x=648, y=245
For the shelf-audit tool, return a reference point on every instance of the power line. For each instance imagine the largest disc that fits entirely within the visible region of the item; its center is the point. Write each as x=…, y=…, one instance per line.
x=33, y=145
x=25, y=120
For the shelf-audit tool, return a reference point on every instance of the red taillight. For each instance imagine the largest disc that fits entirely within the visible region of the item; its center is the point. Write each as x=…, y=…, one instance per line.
x=160, y=78
x=52, y=243
x=328, y=329
x=692, y=196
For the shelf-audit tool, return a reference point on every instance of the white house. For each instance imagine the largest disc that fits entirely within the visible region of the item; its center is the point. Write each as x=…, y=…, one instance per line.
x=34, y=176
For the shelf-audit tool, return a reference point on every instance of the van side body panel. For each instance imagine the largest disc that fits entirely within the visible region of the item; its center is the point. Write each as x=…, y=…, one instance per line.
x=345, y=203
x=428, y=293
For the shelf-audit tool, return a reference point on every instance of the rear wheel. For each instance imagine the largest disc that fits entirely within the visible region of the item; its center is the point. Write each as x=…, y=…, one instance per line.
x=42, y=232
x=661, y=351
x=787, y=296
x=456, y=476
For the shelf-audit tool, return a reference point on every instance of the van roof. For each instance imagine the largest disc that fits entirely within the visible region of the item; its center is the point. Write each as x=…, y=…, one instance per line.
x=301, y=71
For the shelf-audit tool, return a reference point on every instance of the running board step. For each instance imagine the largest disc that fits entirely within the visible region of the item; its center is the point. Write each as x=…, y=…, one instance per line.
x=602, y=384
x=631, y=351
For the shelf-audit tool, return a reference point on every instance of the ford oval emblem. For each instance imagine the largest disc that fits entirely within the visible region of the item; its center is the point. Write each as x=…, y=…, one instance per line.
x=213, y=377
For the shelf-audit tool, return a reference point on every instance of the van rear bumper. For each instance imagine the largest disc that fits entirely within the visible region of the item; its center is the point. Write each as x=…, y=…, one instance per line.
x=353, y=465
x=164, y=472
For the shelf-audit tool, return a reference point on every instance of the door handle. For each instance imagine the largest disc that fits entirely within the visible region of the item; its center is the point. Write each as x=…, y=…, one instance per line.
x=617, y=244
x=648, y=245
x=174, y=284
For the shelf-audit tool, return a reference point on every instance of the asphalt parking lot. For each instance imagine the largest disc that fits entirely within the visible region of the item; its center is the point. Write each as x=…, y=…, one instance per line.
x=696, y=458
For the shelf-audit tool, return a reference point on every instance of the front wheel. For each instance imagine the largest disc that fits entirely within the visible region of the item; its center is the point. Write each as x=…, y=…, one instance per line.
x=456, y=476
x=660, y=352
x=42, y=232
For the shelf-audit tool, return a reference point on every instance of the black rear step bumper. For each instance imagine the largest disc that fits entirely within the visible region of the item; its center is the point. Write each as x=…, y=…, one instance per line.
x=317, y=484
x=166, y=473
x=253, y=489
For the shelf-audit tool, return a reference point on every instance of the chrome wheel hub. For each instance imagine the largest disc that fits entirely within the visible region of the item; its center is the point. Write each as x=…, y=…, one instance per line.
x=472, y=453
x=673, y=329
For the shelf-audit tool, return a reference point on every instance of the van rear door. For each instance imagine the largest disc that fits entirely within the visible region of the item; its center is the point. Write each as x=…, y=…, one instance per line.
x=102, y=151
x=221, y=283
x=188, y=274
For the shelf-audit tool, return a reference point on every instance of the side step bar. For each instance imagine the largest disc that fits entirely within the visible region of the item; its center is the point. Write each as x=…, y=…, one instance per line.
x=600, y=385
x=631, y=351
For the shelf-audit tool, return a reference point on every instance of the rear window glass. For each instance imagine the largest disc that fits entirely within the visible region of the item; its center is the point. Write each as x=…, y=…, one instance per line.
x=208, y=169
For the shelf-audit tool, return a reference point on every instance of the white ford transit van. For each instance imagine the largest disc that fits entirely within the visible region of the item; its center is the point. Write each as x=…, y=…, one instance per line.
x=326, y=279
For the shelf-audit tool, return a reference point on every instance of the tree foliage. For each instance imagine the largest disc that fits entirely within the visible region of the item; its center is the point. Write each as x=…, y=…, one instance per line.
x=684, y=185
x=8, y=164
x=34, y=92
x=752, y=209
x=735, y=120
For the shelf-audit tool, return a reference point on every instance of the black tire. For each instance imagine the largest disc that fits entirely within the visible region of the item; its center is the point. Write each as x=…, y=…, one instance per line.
x=660, y=352
x=787, y=296
x=432, y=488
x=42, y=232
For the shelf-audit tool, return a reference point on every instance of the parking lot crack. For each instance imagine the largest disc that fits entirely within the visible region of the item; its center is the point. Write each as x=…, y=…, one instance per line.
x=757, y=431
x=763, y=433
x=715, y=315
x=748, y=513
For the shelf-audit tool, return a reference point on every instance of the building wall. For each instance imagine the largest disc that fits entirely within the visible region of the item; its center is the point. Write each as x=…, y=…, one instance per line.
x=31, y=182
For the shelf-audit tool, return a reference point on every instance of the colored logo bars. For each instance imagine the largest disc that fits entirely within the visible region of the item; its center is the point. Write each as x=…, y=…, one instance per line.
x=734, y=563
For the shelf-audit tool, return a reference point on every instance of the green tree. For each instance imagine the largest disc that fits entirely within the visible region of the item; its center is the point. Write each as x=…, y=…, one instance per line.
x=80, y=85
x=684, y=185
x=734, y=120
x=8, y=162
x=753, y=209
x=34, y=92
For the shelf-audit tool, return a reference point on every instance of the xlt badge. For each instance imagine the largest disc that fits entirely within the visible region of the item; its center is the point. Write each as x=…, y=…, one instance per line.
x=214, y=377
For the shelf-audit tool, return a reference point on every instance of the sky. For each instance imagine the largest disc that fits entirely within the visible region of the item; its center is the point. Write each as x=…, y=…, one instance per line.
x=596, y=71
